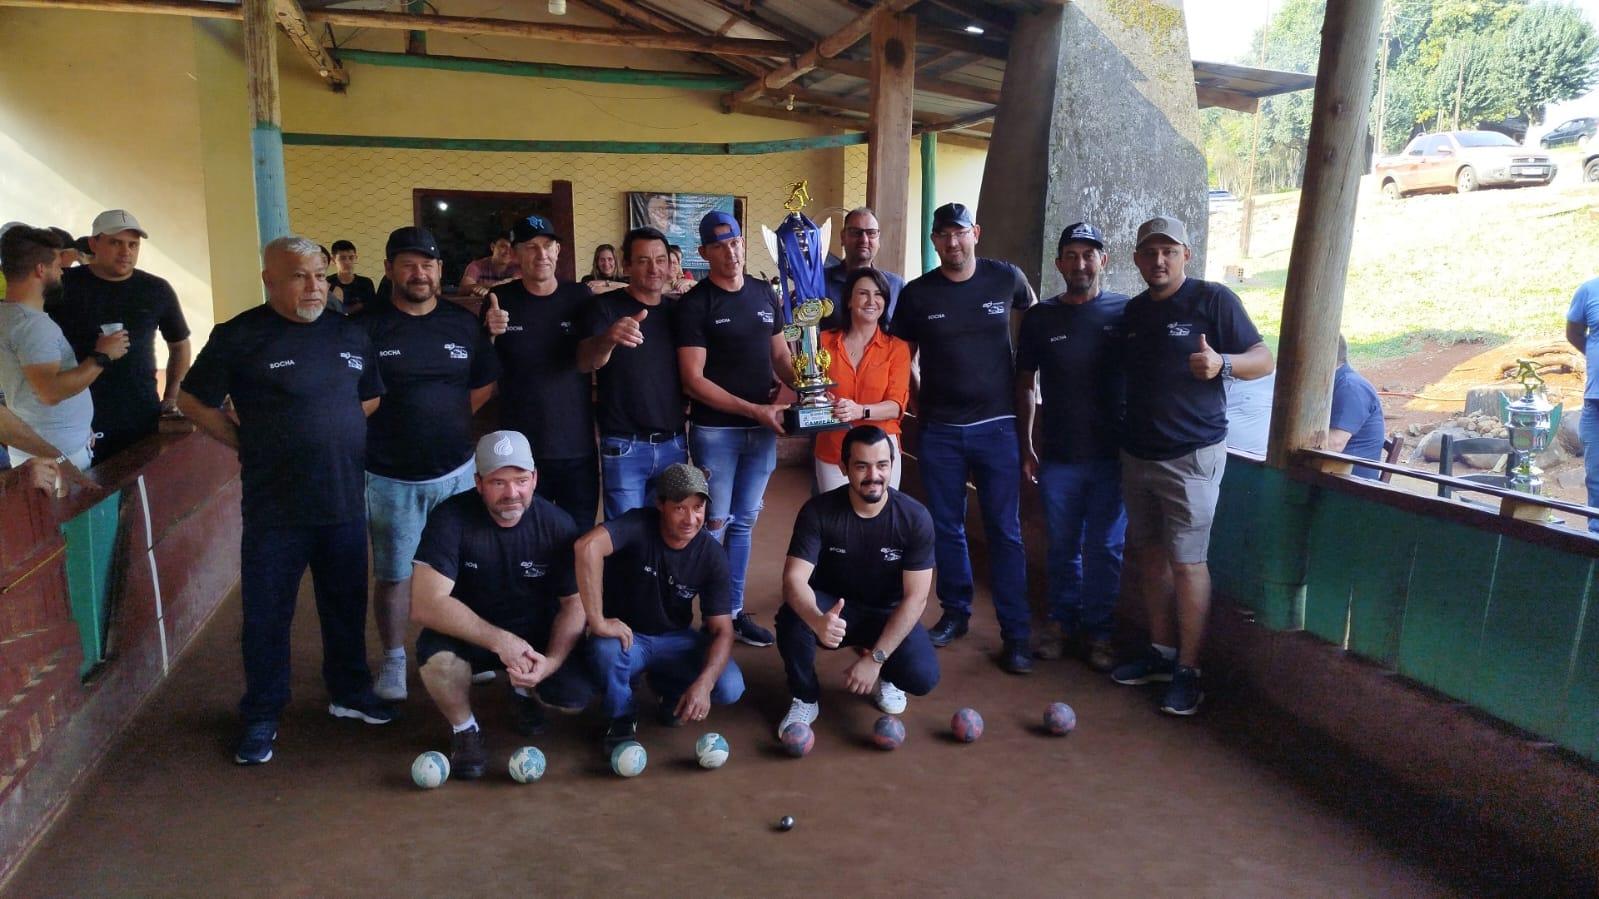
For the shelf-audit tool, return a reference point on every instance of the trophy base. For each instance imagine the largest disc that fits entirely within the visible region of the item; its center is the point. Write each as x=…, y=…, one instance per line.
x=811, y=420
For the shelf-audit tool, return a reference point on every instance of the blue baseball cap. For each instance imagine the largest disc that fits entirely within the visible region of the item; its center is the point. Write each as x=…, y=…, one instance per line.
x=531, y=227
x=714, y=220
x=1084, y=232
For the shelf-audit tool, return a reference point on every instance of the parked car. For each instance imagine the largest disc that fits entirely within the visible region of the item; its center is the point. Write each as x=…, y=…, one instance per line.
x=1221, y=198
x=1462, y=161
x=1575, y=131
x=1590, y=168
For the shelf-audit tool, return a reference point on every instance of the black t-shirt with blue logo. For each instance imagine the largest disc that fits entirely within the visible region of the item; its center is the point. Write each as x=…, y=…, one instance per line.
x=735, y=328
x=962, y=330
x=430, y=364
x=639, y=388
x=651, y=586
x=513, y=578
x=863, y=559
x=298, y=388
x=542, y=394
x=1076, y=348
x=1170, y=413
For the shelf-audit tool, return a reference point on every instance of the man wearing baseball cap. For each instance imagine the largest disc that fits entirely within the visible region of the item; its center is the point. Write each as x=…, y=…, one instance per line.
x=1070, y=345
x=537, y=322
x=961, y=315
x=729, y=344
x=493, y=588
x=439, y=368
x=109, y=291
x=1183, y=336
x=638, y=575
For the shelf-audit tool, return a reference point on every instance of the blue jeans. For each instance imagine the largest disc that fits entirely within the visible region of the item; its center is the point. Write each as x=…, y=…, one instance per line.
x=913, y=667
x=738, y=462
x=272, y=561
x=989, y=453
x=1589, y=429
x=630, y=467
x=1087, y=527
x=672, y=661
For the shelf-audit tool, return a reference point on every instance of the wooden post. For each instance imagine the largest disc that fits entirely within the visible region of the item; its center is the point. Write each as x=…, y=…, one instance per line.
x=1313, y=300
x=416, y=42
x=888, y=159
x=266, y=133
x=929, y=200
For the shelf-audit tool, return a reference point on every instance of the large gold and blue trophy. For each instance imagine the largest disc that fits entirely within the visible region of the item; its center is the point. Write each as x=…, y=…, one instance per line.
x=799, y=248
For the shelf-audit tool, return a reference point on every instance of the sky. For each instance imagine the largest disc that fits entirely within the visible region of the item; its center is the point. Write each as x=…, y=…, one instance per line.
x=1221, y=31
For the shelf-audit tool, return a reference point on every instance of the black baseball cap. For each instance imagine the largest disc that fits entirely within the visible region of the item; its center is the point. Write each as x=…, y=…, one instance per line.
x=952, y=215
x=412, y=239
x=531, y=227
x=1084, y=232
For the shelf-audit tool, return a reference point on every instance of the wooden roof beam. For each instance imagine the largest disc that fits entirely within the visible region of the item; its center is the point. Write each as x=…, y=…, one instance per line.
x=941, y=86
x=826, y=48
x=291, y=18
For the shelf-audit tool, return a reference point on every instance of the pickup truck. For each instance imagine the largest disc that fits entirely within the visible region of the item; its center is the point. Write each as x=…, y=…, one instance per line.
x=1462, y=161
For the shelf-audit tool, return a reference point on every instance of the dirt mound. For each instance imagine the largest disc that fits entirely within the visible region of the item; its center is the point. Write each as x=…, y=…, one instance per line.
x=1561, y=367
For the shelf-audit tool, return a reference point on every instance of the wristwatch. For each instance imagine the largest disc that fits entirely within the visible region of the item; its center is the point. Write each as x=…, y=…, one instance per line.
x=101, y=359
x=1226, y=366
x=879, y=656
x=866, y=412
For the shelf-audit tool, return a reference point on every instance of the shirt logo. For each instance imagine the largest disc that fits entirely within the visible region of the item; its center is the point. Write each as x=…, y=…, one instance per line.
x=891, y=553
x=721, y=321
x=994, y=307
x=566, y=327
x=766, y=315
x=455, y=350
x=1058, y=338
x=532, y=569
x=650, y=570
x=935, y=316
x=285, y=363
x=384, y=354
x=837, y=549
x=472, y=565
x=1179, y=329
x=354, y=361
x=510, y=328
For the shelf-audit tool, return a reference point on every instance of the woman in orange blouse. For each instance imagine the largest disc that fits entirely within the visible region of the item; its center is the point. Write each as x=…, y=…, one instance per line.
x=871, y=371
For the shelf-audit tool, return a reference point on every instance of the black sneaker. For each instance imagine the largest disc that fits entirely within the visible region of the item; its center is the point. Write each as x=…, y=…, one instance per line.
x=746, y=631
x=468, y=756
x=1015, y=658
x=1183, y=696
x=528, y=715
x=364, y=707
x=255, y=744
x=620, y=731
x=950, y=627
x=1150, y=667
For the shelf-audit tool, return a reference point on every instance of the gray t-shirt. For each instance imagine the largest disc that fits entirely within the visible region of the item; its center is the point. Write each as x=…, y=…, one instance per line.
x=29, y=337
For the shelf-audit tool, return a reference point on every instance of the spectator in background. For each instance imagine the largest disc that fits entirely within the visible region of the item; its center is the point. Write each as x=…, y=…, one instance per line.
x=42, y=379
x=860, y=240
x=604, y=271
x=1356, y=426
x=680, y=281
x=1249, y=412
x=335, y=304
x=871, y=373
x=68, y=253
x=1582, y=330
x=351, y=292
x=111, y=291
x=499, y=267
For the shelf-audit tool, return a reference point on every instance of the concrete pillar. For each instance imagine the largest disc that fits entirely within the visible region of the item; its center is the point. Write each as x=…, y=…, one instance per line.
x=1098, y=122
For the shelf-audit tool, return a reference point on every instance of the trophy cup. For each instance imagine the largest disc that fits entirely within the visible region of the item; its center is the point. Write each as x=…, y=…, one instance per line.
x=800, y=250
x=1532, y=421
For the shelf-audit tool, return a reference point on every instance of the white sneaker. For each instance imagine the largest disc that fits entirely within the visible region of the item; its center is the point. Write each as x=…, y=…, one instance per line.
x=889, y=698
x=391, y=679
x=799, y=712
x=483, y=677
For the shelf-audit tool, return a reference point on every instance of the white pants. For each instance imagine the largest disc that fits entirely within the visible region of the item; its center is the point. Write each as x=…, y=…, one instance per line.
x=79, y=458
x=829, y=477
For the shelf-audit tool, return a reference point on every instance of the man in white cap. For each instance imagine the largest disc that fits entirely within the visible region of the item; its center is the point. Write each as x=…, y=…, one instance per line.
x=493, y=587
x=1183, y=337
x=108, y=291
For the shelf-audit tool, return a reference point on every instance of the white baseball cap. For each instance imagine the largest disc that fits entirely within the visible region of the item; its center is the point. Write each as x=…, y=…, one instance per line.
x=115, y=221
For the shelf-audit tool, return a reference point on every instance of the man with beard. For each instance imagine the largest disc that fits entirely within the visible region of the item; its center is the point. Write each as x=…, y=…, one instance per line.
x=860, y=241
x=438, y=367
x=493, y=588
x=535, y=323
x=1071, y=343
x=302, y=385
x=859, y=568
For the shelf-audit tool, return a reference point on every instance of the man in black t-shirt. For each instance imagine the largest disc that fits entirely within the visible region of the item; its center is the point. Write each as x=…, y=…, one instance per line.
x=632, y=350
x=959, y=317
x=536, y=322
x=110, y=290
x=1071, y=343
x=439, y=367
x=302, y=385
x=354, y=291
x=859, y=568
x=638, y=575
x=1183, y=336
x=729, y=345
x=493, y=588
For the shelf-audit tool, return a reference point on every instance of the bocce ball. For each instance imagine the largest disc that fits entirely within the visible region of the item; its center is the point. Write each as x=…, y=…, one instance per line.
x=527, y=764
x=711, y=750
x=888, y=732
x=628, y=759
x=798, y=739
x=430, y=770
x=1059, y=719
x=967, y=725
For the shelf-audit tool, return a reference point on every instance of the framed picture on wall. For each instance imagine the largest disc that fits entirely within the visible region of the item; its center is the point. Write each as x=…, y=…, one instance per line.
x=677, y=215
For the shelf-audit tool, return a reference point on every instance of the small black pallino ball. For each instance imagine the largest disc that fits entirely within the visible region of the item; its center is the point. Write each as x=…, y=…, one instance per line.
x=785, y=823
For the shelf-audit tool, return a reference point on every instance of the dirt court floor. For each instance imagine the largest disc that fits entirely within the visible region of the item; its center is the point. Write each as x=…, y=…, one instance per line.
x=1133, y=803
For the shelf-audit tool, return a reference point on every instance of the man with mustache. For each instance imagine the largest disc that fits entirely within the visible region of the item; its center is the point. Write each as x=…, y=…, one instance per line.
x=1183, y=337
x=859, y=568
x=439, y=367
x=493, y=588
x=638, y=575
x=302, y=385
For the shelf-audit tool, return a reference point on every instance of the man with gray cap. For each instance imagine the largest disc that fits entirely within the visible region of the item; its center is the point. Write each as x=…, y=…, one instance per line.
x=493, y=588
x=110, y=291
x=638, y=575
x=1183, y=336
x=438, y=367
x=1070, y=345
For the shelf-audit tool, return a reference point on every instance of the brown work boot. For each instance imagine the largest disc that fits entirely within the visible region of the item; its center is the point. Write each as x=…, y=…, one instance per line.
x=1049, y=643
x=1100, y=654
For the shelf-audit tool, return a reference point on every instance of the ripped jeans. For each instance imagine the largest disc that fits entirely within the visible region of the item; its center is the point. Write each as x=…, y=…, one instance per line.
x=738, y=462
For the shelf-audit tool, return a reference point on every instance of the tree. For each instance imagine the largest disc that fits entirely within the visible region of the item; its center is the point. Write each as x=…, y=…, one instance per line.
x=1549, y=53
